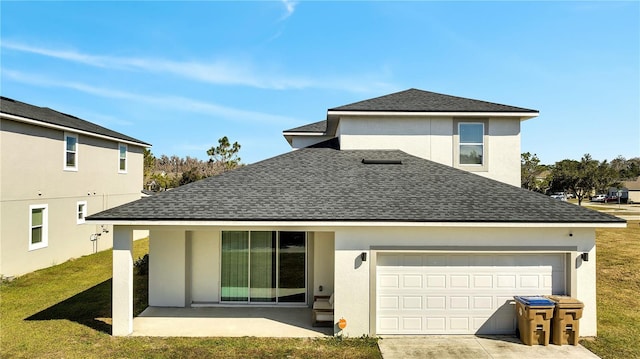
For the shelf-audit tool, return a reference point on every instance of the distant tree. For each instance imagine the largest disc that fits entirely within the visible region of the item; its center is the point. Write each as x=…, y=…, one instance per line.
x=633, y=168
x=574, y=176
x=531, y=172
x=192, y=175
x=627, y=170
x=225, y=153
x=149, y=165
x=606, y=177
x=164, y=172
x=583, y=177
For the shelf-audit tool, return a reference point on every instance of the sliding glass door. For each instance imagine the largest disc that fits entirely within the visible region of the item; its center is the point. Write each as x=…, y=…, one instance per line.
x=292, y=259
x=263, y=267
x=235, y=267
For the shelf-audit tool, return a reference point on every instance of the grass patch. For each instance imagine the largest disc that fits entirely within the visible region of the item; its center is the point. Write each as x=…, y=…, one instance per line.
x=618, y=296
x=65, y=312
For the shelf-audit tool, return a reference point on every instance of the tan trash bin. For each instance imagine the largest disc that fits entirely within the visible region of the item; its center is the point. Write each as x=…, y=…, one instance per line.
x=565, y=326
x=534, y=319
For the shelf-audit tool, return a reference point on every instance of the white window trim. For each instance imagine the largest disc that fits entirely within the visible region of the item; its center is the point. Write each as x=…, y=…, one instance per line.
x=84, y=211
x=64, y=152
x=45, y=226
x=485, y=145
x=126, y=157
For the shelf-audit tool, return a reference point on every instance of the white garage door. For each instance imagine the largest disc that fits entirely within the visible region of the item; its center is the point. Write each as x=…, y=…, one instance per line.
x=459, y=293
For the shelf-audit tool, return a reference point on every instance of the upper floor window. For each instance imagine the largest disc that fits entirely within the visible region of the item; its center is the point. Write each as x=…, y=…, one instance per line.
x=81, y=212
x=70, y=152
x=38, y=226
x=122, y=158
x=471, y=143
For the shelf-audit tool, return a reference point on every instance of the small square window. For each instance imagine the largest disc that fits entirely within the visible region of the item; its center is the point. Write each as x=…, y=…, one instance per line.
x=38, y=226
x=81, y=212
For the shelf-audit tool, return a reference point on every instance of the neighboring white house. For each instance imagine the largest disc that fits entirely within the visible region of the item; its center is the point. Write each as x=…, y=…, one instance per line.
x=406, y=207
x=56, y=169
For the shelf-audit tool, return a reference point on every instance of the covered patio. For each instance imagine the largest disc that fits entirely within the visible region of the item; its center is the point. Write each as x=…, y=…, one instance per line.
x=227, y=322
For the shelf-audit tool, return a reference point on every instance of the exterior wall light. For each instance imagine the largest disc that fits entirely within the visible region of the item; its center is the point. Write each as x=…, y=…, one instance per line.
x=363, y=256
x=585, y=256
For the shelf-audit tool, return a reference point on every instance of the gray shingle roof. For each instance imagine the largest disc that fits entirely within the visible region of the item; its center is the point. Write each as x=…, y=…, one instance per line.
x=325, y=184
x=320, y=126
x=47, y=115
x=414, y=100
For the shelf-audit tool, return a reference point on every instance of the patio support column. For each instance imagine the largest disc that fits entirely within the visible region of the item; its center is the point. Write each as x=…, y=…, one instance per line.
x=122, y=296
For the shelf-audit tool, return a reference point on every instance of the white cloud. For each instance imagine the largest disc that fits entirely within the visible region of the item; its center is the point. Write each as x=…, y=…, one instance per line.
x=225, y=72
x=166, y=101
x=290, y=7
x=219, y=71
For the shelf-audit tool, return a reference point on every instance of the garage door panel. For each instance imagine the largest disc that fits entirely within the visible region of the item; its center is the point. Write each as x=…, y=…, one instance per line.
x=459, y=324
x=483, y=303
x=458, y=261
x=456, y=302
x=412, y=303
x=482, y=281
x=436, y=302
x=412, y=261
x=386, y=281
x=506, y=281
x=413, y=324
x=471, y=298
x=388, y=324
x=436, y=281
x=389, y=302
x=529, y=281
x=459, y=281
x=412, y=281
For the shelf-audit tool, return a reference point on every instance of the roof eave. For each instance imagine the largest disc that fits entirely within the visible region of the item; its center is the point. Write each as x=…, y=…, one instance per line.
x=70, y=129
x=525, y=115
x=318, y=133
x=317, y=224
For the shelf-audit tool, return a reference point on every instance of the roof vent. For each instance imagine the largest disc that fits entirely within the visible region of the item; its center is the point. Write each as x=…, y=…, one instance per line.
x=381, y=162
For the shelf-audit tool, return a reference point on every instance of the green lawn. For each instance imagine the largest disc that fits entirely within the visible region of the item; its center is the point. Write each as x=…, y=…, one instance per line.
x=65, y=312
x=618, y=281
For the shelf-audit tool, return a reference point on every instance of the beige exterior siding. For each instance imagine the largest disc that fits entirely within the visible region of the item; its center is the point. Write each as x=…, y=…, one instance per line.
x=185, y=260
x=435, y=139
x=32, y=160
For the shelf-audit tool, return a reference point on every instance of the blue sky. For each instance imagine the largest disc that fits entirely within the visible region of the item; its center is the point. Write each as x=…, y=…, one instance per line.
x=180, y=75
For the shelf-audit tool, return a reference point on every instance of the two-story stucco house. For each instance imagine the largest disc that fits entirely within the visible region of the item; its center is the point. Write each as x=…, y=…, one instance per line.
x=405, y=207
x=56, y=169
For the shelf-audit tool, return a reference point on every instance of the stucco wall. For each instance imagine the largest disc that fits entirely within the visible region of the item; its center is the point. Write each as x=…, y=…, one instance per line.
x=205, y=266
x=185, y=265
x=323, y=263
x=355, y=281
x=433, y=138
x=31, y=159
x=167, y=276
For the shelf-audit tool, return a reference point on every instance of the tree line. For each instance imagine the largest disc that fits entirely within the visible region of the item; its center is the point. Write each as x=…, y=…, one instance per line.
x=580, y=178
x=164, y=172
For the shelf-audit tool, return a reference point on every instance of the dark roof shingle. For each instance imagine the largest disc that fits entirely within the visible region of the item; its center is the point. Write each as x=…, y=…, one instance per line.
x=320, y=126
x=47, y=115
x=414, y=100
x=325, y=184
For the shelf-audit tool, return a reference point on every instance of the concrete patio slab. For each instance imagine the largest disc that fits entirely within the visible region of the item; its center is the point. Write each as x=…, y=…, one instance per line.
x=227, y=322
x=474, y=347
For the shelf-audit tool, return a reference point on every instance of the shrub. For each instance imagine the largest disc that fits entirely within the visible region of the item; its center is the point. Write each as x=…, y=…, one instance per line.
x=142, y=265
